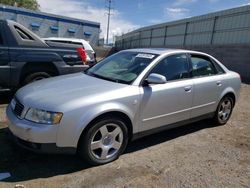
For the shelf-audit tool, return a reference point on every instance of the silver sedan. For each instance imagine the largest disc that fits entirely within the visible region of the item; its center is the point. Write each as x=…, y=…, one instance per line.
x=125, y=96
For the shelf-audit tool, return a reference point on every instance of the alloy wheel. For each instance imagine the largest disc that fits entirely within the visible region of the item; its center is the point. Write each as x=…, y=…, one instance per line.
x=225, y=109
x=106, y=141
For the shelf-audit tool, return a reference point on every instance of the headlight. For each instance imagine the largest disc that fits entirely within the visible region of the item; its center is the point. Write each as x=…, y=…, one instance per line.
x=42, y=116
x=13, y=104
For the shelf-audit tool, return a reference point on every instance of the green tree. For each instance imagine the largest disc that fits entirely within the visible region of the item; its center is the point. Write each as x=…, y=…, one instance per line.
x=29, y=4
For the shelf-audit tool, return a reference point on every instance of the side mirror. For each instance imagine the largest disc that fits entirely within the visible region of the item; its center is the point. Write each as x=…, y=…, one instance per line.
x=156, y=79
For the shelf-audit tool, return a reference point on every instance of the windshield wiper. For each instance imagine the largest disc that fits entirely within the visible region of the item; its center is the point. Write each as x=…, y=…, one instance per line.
x=103, y=77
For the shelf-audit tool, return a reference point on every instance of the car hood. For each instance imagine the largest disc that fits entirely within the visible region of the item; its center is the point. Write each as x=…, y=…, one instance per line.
x=52, y=93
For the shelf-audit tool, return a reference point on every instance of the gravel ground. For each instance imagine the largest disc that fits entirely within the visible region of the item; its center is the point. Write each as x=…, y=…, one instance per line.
x=196, y=155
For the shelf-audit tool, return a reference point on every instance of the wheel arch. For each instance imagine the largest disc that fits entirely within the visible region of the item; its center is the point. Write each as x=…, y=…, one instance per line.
x=31, y=67
x=231, y=95
x=114, y=113
x=229, y=92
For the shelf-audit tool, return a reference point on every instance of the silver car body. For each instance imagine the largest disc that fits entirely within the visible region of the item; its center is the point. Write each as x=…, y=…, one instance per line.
x=82, y=98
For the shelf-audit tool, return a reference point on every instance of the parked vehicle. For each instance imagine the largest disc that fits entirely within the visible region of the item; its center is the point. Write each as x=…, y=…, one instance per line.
x=125, y=96
x=24, y=57
x=90, y=53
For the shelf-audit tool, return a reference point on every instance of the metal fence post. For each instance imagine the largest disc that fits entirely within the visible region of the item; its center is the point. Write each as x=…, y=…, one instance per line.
x=139, y=43
x=122, y=42
x=213, y=29
x=165, y=35
x=151, y=33
x=130, y=42
x=185, y=34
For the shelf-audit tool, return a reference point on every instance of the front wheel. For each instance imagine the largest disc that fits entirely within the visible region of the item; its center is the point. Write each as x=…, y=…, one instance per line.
x=224, y=110
x=104, y=141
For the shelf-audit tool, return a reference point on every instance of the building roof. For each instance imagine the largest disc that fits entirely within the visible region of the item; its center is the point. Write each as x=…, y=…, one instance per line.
x=22, y=11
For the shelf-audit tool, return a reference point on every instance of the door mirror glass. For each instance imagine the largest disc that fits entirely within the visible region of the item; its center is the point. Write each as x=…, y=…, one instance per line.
x=156, y=79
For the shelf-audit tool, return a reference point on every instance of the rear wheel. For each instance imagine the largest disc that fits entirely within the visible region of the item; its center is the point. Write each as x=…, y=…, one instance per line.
x=32, y=77
x=104, y=141
x=224, y=110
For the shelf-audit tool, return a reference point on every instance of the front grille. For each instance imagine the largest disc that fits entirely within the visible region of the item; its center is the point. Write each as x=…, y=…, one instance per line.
x=18, y=110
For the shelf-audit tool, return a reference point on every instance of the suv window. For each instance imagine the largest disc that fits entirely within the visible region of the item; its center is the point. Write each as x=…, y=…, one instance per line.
x=173, y=67
x=202, y=66
x=23, y=34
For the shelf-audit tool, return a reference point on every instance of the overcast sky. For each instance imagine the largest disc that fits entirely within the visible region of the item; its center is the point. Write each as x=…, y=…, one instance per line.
x=131, y=14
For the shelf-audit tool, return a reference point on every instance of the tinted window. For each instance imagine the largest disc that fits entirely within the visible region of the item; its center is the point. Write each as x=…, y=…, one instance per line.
x=173, y=67
x=218, y=68
x=23, y=34
x=202, y=66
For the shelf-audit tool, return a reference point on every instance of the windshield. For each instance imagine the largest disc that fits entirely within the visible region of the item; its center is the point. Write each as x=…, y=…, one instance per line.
x=122, y=67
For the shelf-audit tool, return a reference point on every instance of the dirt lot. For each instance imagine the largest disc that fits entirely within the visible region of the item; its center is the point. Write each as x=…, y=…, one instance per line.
x=197, y=155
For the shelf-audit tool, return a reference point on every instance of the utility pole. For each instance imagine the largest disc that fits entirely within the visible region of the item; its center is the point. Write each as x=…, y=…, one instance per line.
x=109, y=14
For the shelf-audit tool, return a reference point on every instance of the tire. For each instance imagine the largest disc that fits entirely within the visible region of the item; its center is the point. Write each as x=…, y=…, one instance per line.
x=35, y=77
x=104, y=141
x=224, y=110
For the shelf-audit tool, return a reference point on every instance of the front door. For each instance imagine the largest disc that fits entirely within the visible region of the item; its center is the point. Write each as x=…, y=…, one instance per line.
x=168, y=103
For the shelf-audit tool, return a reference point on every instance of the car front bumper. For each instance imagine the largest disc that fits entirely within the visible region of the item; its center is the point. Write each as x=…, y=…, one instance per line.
x=33, y=136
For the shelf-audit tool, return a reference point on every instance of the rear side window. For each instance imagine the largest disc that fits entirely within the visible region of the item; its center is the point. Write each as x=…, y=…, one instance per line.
x=174, y=67
x=218, y=68
x=23, y=34
x=202, y=66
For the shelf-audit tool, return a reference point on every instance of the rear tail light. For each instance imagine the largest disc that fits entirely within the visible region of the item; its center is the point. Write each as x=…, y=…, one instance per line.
x=82, y=55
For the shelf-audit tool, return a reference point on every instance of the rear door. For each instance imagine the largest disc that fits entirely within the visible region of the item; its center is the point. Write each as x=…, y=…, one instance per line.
x=4, y=61
x=208, y=84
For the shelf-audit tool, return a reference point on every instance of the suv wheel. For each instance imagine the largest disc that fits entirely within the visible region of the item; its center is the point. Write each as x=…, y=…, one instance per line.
x=224, y=110
x=35, y=77
x=104, y=141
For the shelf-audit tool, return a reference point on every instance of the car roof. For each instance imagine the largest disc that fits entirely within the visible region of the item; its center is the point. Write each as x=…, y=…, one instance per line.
x=161, y=51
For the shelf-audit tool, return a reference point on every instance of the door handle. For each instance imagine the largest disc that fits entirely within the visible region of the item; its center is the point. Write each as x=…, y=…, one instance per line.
x=218, y=83
x=188, y=88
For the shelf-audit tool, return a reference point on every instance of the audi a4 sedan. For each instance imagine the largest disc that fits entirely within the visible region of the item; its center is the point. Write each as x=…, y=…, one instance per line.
x=125, y=96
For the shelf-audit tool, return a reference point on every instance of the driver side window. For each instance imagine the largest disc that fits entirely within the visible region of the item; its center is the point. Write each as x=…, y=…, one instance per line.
x=174, y=67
